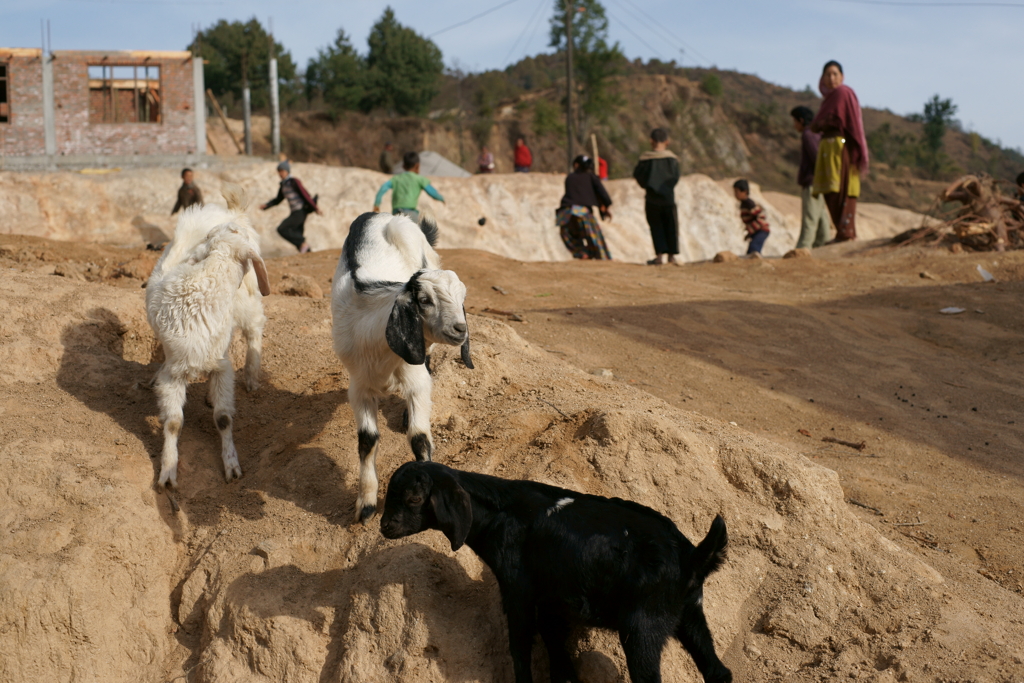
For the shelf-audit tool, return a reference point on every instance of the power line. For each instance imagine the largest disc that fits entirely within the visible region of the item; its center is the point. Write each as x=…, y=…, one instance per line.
x=533, y=33
x=633, y=33
x=672, y=40
x=473, y=18
x=526, y=27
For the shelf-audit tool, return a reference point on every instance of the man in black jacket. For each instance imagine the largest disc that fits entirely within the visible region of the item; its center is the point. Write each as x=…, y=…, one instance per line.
x=299, y=203
x=658, y=173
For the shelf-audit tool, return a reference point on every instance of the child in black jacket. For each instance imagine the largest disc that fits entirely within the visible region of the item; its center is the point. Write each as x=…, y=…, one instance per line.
x=658, y=173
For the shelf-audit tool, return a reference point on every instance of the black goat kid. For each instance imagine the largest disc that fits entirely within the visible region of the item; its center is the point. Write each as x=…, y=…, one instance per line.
x=564, y=558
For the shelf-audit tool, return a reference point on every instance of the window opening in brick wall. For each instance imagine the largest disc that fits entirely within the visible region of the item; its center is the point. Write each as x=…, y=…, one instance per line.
x=124, y=94
x=5, y=105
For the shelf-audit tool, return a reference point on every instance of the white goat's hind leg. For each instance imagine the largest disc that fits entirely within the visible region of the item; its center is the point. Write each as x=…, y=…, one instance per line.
x=416, y=386
x=364, y=407
x=253, y=332
x=170, y=392
x=222, y=391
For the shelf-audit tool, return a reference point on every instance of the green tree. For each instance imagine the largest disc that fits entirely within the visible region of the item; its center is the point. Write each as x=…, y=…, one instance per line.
x=594, y=60
x=338, y=74
x=227, y=46
x=403, y=69
x=937, y=118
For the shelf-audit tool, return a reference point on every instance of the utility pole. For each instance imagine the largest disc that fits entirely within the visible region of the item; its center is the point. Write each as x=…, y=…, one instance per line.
x=275, y=105
x=568, y=84
x=246, y=104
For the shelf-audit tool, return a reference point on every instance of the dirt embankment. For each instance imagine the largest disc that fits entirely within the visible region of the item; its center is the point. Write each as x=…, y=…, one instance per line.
x=133, y=208
x=265, y=580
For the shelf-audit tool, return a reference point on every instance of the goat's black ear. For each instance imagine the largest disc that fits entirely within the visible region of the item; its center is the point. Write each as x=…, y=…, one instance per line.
x=466, y=360
x=405, y=330
x=453, y=510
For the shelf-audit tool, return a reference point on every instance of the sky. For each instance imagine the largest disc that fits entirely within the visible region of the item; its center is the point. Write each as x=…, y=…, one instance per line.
x=896, y=54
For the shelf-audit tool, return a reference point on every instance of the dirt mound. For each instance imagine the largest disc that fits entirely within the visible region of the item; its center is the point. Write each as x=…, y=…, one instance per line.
x=266, y=580
x=133, y=208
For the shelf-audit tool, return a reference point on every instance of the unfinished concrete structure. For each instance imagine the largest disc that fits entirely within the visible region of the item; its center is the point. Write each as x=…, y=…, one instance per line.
x=79, y=108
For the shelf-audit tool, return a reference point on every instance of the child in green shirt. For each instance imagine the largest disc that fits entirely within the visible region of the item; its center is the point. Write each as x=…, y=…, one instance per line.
x=405, y=189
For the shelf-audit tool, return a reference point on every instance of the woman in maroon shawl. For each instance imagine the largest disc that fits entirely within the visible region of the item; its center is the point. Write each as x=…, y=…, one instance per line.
x=843, y=152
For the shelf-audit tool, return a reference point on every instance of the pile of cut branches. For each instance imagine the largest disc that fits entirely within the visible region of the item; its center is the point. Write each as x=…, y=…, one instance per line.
x=986, y=220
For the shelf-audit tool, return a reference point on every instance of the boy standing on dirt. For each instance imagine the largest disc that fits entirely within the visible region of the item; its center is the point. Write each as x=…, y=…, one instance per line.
x=188, y=193
x=658, y=173
x=815, y=225
x=405, y=189
x=752, y=216
x=299, y=203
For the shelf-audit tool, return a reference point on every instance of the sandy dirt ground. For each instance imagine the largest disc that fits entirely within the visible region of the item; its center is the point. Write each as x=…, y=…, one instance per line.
x=714, y=387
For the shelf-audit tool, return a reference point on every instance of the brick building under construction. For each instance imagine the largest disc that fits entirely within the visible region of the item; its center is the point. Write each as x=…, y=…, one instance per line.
x=71, y=107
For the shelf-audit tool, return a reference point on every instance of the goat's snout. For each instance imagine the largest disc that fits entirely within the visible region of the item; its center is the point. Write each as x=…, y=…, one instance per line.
x=390, y=527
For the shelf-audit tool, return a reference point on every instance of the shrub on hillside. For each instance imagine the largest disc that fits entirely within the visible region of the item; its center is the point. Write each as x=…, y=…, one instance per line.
x=547, y=119
x=712, y=85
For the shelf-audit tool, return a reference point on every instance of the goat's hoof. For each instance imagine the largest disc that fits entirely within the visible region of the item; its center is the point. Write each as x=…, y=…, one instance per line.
x=365, y=513
x=252, y=386
x=232, y=472
x=168, y=481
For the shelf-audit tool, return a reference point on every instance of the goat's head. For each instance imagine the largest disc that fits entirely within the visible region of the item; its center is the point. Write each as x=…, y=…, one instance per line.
x=239, y=243
x=430, y=309
x=426, y=495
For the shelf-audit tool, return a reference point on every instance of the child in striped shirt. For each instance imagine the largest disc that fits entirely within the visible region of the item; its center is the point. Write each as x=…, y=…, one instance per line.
x=752, y=216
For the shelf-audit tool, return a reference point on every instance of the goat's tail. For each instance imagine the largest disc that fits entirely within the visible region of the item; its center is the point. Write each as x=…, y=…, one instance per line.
x=710, y=554
x=235, y=196
x=428, y=224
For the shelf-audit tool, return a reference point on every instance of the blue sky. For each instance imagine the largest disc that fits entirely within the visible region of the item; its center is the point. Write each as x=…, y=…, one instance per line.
x=895, y=57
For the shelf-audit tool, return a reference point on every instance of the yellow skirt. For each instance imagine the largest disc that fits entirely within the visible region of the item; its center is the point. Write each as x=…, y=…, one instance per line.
x=828, y=170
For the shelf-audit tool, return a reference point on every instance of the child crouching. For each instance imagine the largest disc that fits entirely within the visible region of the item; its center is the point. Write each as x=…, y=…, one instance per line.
x=752, y=216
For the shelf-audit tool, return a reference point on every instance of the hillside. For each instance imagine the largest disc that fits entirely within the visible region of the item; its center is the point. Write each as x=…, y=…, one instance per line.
x=744, y=129
x=133, y=207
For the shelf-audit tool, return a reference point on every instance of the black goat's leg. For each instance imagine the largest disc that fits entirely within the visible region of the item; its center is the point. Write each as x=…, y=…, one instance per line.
x=642, y=644
x=521, y=630
x=695, y=636
x=555, y=631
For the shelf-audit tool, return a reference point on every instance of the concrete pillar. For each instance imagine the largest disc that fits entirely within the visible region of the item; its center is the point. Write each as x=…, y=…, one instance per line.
x=49, y=118
x=275, y=109
x=247, y=118
x=199, y=103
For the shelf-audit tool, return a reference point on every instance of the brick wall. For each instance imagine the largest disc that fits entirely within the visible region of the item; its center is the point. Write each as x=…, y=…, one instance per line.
x=173, y=134
x=24, y=134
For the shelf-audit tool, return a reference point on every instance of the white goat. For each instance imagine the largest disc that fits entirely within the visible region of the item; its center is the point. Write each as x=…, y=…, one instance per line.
x=391, y=302
x=201, y=290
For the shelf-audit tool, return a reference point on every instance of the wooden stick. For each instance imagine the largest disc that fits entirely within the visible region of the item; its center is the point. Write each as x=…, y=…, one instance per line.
x=856, y=446
x=508, y=314
x=224, y=119
x=878, y=512
x=553, y=406
x=209, y=141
